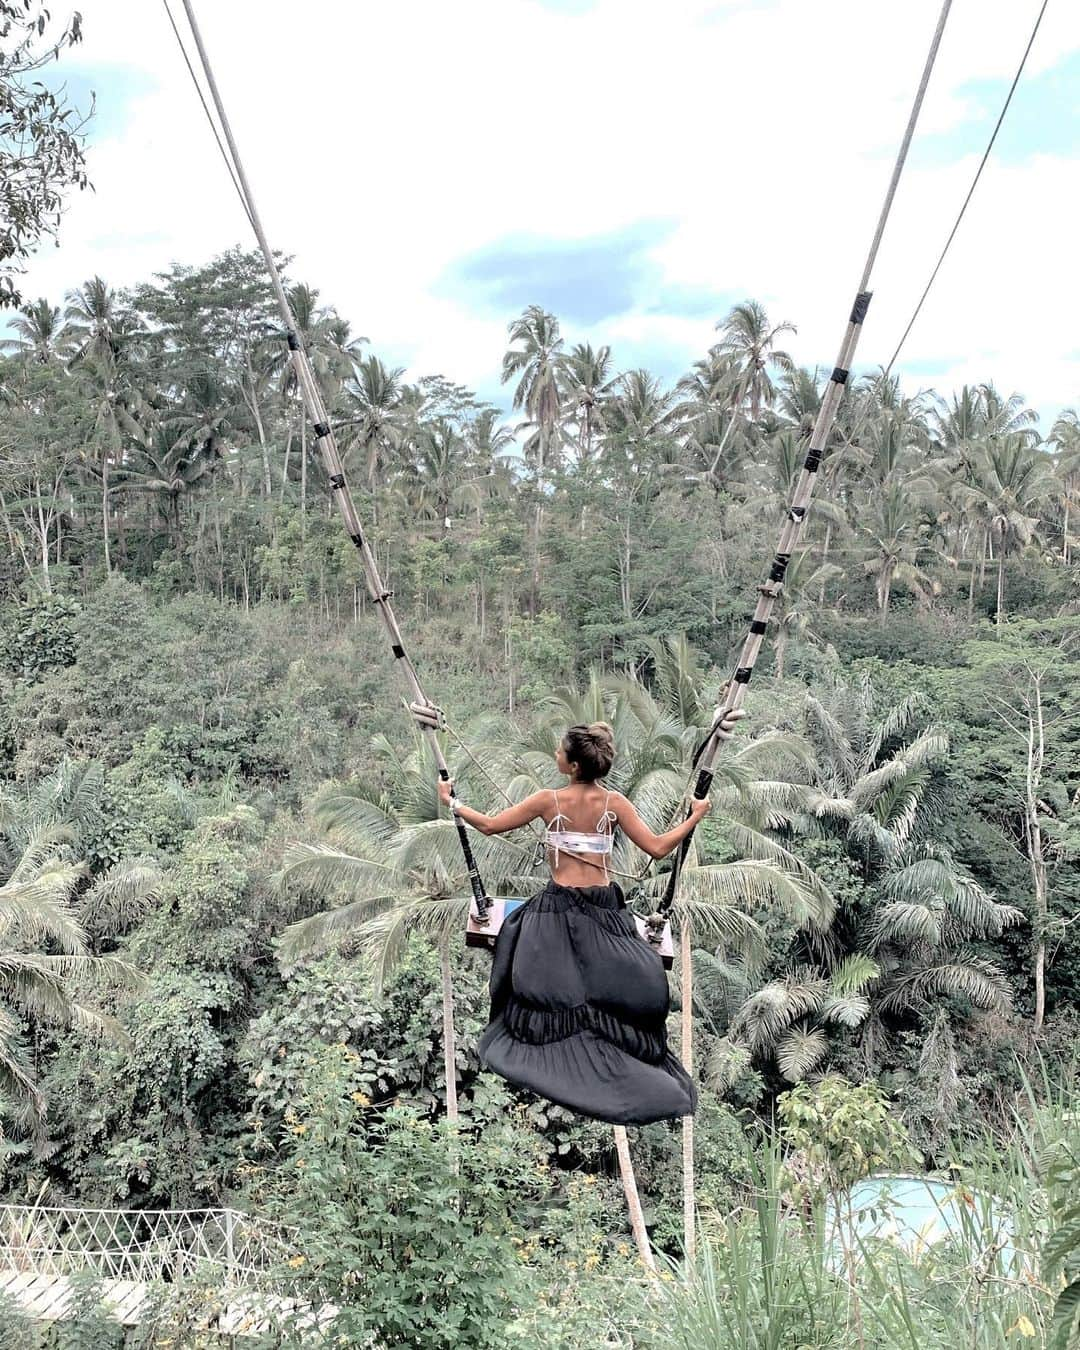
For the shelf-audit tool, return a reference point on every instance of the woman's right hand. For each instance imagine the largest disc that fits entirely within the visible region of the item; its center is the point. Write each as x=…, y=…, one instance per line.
x=699, y=807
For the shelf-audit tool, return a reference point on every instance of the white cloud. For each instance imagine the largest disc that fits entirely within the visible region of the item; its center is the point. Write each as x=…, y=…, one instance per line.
x=385, y=141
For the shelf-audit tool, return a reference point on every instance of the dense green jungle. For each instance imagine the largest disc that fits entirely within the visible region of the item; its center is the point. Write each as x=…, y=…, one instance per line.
x=240, y=1096
x=233, y=972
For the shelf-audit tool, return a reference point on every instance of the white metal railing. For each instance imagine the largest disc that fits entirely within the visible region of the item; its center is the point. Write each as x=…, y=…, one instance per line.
x=143, y=1245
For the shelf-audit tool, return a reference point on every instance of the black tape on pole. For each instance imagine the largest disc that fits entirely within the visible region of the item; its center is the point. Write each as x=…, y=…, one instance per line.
x=321, y=429
x=779, y=566
x=861, y=305
x=742, y=675
x=812, y=462
x=759, y=627
x=337, y=481
x=839, y=375
x=293, y=341
x=399, y=655
x=701, y=789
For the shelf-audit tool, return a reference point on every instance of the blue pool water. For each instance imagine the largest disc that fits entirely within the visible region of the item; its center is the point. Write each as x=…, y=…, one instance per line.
x=919, y=1212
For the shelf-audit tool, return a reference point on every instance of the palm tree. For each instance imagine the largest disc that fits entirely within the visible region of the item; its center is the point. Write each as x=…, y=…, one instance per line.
x=537, y=367
x=750, y=341
x=638, y=420
x=373, y=397
x=42, y=335
x=872, y=769
x=1009, y=483
x=40, y=871
x=586, y=382
x=93, y=312
x=168, y=466
x=1065, y=435
x=793, y=611
x=891, y=532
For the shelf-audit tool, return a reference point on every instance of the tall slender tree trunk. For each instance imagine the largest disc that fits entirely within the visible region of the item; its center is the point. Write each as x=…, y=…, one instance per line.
x=449, y=1041
x=256, y=413
x=105, y=509
x=825, y=557
x=686, y=961
x=1036, y=749
x=1000, y=584
x=633, y=1201
x=43, y=533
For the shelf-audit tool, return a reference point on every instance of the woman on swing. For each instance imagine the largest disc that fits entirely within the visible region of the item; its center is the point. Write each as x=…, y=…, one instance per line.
x=579, y=1001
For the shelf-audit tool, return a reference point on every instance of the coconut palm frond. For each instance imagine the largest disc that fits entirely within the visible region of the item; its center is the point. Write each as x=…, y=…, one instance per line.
x=17, y=1087
x=384, y=937
x=800, y=1051
x=39, y=908
x=895, y=722
x=849, y=1010
x=321, y=931
x=866, y=832
x=356, y=817
x=927, y=878
x=769, y=1012
x=753, y=844
x=898, y=807
x=430, y=855
x=868, y=789
x=980, y=981
x=902, y=922
x=772, y=749
x=94, y=1022
x=121, y=897
x=979, y=915
x=853, y=974
x=725, y=1062
x=926, y=750
x=833, y=737
x=745, y=885
x=333, y=869
x=42, y=847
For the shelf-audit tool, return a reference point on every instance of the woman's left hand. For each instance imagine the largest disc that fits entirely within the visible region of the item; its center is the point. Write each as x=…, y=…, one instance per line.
x=445, y=791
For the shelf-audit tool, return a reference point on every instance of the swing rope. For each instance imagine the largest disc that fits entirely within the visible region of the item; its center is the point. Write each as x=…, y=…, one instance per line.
x=423, y=710
x=768, y=593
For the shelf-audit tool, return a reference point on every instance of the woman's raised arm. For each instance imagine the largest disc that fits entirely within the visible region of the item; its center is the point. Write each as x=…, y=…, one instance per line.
x=511, y=819
x=656, y=845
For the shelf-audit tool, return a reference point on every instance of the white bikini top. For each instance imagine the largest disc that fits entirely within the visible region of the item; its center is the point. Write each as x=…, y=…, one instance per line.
x=598, y=842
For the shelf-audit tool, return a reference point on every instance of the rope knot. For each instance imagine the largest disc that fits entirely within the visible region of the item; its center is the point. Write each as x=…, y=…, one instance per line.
x=654, y=928
x=428, y=716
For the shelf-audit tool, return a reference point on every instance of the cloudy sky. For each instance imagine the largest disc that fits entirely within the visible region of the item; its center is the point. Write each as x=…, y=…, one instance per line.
x=636, y=166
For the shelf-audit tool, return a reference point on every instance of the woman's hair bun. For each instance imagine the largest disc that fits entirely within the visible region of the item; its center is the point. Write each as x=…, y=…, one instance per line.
x=591, y=748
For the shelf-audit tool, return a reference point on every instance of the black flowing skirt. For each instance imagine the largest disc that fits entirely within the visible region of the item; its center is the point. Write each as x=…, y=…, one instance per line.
x=579, y=1005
